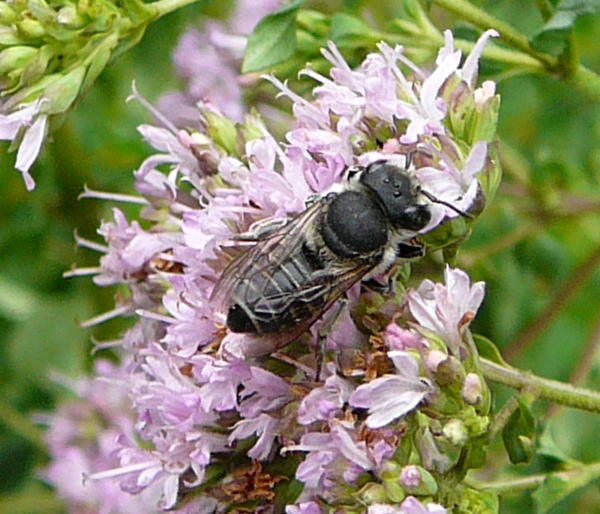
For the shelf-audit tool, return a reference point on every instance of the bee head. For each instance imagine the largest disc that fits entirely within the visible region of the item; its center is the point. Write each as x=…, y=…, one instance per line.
x=397, y=193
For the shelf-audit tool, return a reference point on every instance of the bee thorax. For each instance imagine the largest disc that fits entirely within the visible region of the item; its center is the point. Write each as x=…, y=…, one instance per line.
x=354, y=224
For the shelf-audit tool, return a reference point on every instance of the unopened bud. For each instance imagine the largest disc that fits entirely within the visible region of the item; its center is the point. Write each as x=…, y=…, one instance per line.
x=417, y=480
x=449, y=371
x=433, y=359
x=31, y=29
x=456, y=432
x=69, y=17
x=472, y=389
x=7, y=14
x=16, y=57
x=410, y=477
x=373, y=493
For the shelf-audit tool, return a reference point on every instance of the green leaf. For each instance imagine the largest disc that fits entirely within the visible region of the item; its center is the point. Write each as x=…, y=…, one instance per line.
x=555, y=488
x=488, y=350
x=347, y=30
x=273, y=40
x=519, y=434
x=548, y=448
x=553, y=36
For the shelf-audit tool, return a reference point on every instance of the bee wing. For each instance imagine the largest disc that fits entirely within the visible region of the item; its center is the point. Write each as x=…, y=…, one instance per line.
x=268, y=252
x=324, y=287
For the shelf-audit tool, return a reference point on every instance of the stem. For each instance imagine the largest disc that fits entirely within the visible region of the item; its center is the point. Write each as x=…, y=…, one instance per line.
x=517, y=485
x=22, y=426
x=585, y=79
x=502, y=416
x=546, y=389
x=483, y=20
x=571, y=285
x=163, y=7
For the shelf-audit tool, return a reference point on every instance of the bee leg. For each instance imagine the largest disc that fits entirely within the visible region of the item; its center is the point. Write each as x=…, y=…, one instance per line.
x=311, y=199
x=323, y=333
x=376, y=286
x=410, y=251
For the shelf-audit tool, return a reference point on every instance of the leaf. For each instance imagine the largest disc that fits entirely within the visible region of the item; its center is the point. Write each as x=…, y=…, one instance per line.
x=552, y=37
x=519, y=433
x=273, y=40
x=347, y=30
x=488, y=350
x=548, y=448
x=555, y=487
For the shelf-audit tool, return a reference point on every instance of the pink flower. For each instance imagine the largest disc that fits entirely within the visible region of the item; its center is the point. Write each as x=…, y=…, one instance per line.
x=392, y=396
x=446, y=309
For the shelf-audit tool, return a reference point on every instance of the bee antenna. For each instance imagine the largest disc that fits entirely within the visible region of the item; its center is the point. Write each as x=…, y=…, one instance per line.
x=449, y=205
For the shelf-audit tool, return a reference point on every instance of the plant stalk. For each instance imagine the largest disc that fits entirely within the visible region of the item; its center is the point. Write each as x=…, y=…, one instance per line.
x=546, y=389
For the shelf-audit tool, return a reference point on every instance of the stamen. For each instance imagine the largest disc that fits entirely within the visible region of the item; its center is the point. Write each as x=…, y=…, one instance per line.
x=116, y=197
x=92, y=245
x=101, y=318
x=82, y=272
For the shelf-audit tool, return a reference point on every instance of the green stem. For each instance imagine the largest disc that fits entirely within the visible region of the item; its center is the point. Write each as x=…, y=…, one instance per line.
x=517, y=485
x=579, y=75
x=551, y=390
x=163, y=7
x=21, y=425
x=467, y=11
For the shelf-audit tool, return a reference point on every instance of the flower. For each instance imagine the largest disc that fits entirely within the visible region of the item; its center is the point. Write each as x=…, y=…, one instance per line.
x=392, y=396
x=446, y=309
x=209, y=60
x=409, y=506
x=204, y=401
x=52, y=52
x=27, y=125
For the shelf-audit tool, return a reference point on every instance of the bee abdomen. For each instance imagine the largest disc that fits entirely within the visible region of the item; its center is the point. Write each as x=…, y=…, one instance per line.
x=238, y=320
x=272, y=301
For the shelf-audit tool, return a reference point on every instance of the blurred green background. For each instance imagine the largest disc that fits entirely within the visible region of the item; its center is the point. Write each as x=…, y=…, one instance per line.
x=537, y=247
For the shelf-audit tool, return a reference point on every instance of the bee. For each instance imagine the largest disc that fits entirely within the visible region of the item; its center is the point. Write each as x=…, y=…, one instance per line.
x=299, y=267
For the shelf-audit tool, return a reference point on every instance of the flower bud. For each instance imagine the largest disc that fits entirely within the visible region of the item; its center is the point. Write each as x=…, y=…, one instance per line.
x=222, y=130
x=373, y=493
x=456, y=432
x=449, y=371
x=434, y=358
x=393, y=490
x=7, y=14
x=417, y=480
x=472, y=389
x=69, y=17
x=16, y=57
x=31, y=29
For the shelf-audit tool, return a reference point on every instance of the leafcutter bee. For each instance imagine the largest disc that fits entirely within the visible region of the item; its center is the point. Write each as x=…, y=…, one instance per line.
x=299, y=267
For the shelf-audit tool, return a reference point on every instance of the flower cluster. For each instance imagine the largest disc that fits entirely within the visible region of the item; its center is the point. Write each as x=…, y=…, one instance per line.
x=51, y=52
x=209, y=61
x=214, y=425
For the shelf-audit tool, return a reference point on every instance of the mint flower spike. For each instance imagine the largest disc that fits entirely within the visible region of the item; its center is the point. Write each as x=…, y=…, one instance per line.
x=213, y=423
x=51, y=53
